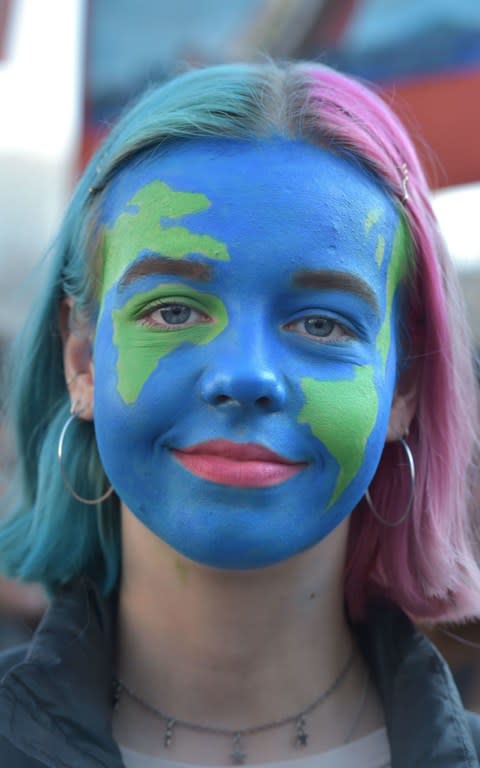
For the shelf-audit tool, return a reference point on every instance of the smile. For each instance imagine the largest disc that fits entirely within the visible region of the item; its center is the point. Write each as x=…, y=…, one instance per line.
x=245, y=465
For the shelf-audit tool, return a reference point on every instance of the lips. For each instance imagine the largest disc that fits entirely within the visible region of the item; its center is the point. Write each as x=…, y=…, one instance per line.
x=245, y=465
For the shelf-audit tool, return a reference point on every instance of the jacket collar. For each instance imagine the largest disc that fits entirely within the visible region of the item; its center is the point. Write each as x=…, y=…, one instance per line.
x=425, y=718
x=56, y=703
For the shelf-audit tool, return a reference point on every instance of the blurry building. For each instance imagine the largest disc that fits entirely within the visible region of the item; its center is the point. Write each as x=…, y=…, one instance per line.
x=41, y=97
x=69, y=67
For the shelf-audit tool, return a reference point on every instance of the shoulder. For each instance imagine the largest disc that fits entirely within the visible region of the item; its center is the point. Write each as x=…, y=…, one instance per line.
x=9, y=755
x=14, y=758
x=10, y=657
x=473, y=720
x=422, y=705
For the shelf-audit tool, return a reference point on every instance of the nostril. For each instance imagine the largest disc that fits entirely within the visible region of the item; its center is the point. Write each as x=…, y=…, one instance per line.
x=220, y=399
x=263, y=402
x=255, y=389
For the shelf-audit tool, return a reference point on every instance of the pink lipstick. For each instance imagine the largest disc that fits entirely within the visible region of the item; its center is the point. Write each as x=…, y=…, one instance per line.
x=245, y=465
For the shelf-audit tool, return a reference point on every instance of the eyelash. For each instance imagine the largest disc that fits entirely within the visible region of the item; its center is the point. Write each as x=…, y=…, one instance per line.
x=344, y=333
x=146, y=318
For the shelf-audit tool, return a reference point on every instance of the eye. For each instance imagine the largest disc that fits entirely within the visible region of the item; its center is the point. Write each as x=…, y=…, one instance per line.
x=320, y=328
x=172, y=316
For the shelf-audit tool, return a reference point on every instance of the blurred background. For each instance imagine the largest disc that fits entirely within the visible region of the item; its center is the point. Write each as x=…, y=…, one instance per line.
x=69, y=67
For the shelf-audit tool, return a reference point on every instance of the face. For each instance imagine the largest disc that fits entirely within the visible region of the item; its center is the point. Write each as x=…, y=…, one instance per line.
x=245, y=353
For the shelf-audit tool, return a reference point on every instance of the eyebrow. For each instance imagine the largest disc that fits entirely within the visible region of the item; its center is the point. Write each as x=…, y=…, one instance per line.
x=325, y=279
x=163, y=265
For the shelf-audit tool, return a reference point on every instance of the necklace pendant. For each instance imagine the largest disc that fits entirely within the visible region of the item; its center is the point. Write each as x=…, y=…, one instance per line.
x=238, y=756
x=168, y=735
x=301, y=735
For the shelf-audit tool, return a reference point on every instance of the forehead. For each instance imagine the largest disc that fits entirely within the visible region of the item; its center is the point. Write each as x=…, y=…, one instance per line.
x=265, y=201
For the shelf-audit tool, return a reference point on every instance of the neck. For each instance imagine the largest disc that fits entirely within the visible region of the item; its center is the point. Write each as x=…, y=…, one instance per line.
x=232, y=649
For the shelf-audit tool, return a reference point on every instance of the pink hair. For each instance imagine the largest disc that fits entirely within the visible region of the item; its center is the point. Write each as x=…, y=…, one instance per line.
x=427, y=565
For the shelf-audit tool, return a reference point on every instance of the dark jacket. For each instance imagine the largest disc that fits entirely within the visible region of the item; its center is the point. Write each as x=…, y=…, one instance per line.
x=56, y=693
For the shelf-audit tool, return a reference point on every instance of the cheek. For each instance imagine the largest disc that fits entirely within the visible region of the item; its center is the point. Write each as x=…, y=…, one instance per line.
x=141, y=348
x=142, y=381
x=140, y=352
x=342, y=415
x=105, y=361
x=129, y=391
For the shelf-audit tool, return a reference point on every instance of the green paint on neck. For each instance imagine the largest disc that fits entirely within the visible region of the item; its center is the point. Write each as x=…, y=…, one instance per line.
x=397, y=270
x=142, y=230
x=181, y=570
x=342, y=414
x=140, y=347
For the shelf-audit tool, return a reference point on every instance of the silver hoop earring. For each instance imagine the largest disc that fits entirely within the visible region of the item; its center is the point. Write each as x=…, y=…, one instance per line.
x=68, y=485
x=411, y=467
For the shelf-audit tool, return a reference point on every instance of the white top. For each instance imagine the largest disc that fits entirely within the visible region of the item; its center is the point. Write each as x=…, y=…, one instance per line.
x=372, y=751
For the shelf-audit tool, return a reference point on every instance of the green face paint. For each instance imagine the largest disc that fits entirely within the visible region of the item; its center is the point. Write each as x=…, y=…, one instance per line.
x=143, y=230
x=372, y=218
x=289, y=353
x=342, y=415
x=141, y=347
x=380, y=250
x=397, y=269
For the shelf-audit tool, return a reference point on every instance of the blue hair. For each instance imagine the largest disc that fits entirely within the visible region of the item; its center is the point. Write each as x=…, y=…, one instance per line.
x=48, y=536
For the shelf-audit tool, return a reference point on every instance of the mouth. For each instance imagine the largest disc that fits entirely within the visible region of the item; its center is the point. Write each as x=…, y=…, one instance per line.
x=244, y=465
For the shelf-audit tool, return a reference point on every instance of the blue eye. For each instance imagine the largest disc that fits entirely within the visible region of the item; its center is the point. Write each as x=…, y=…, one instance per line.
x=172, y=315
x=319, y=326
x=175, y=314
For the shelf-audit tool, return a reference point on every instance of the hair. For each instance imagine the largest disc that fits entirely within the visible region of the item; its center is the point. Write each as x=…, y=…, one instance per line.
x=427, y=565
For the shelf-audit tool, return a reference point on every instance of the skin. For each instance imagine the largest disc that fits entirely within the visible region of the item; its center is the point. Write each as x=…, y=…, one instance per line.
x=236, y=646
x=304, y=366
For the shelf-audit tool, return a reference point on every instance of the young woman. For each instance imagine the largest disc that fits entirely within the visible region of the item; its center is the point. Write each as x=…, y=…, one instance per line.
x=251, y=315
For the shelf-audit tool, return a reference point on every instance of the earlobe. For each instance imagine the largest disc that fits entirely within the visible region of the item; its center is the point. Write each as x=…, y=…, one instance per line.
x=77, y=359
x=401, y=414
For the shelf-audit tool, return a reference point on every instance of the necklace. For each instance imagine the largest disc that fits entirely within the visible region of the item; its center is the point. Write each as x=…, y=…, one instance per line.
x=238, y=736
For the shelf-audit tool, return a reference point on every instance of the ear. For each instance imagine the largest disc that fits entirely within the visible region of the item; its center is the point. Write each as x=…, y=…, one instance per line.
x=403, y=410
x=77, y=338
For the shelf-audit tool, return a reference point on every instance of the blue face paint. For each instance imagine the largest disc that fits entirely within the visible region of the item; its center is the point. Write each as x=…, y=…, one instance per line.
x=243, y=388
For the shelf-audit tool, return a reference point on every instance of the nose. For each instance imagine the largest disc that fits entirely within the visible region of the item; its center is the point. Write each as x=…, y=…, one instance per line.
x=233, y=384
